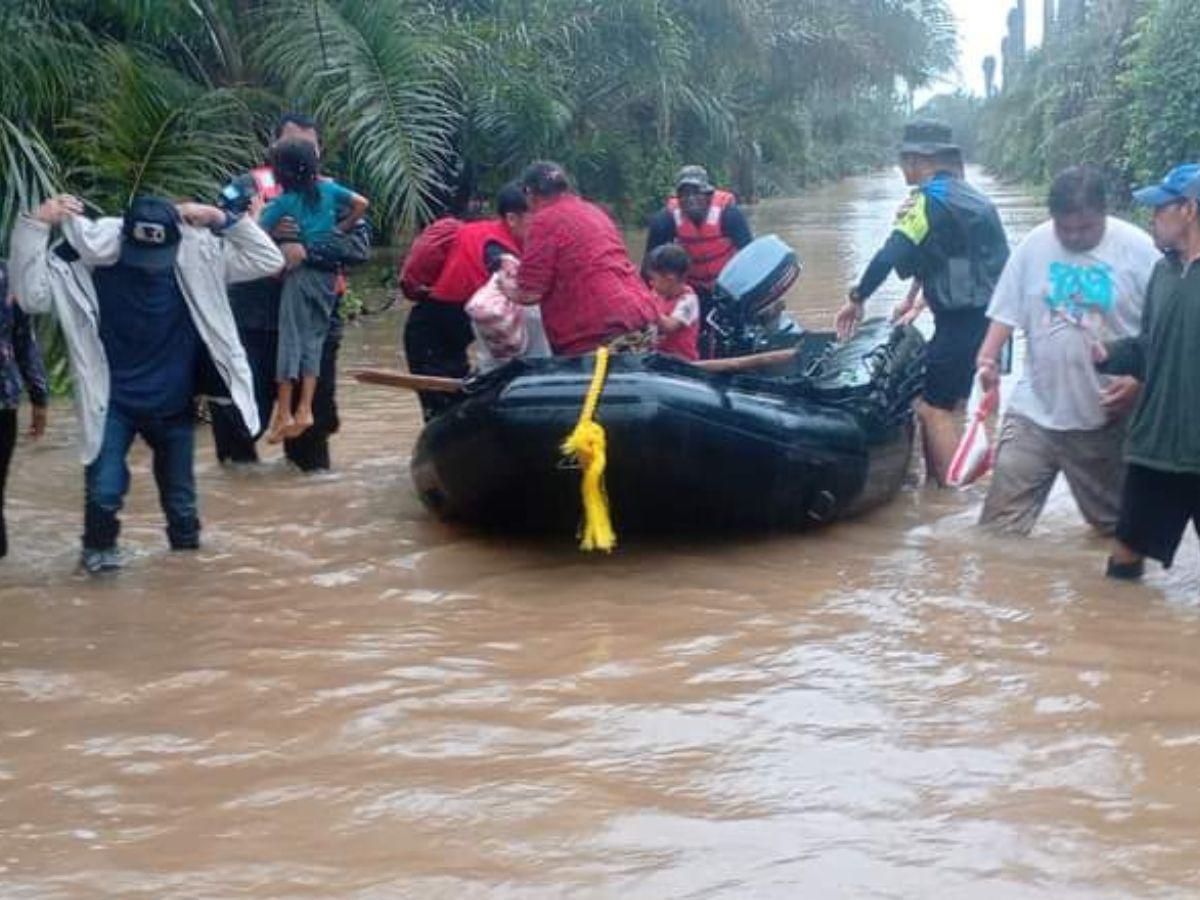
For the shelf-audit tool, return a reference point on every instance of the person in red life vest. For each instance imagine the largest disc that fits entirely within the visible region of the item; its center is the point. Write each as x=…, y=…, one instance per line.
x=577, y=268
x=679, y=324
x=438, y=331
x=707, y=223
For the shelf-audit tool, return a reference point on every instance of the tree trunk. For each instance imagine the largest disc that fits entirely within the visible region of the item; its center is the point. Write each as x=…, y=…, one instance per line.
x=745, y=180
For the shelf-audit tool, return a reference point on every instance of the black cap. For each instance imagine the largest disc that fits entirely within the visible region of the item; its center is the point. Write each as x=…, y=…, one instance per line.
x=150, y=235
x=928, y=138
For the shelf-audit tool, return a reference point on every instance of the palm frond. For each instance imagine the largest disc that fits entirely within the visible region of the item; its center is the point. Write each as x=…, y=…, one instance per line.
x=44, y=62
x=381, y=75
x=28, y=171
x=153, y=131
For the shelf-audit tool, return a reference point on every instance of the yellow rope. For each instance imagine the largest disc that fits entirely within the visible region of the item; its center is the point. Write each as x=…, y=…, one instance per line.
x=587, y=445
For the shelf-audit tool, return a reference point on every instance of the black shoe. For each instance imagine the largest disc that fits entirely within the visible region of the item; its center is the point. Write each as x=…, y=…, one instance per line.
x=1125, y=571
x=185, y=546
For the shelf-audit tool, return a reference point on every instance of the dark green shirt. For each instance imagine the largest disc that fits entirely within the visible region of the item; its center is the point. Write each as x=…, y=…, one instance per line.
x=1165, y=433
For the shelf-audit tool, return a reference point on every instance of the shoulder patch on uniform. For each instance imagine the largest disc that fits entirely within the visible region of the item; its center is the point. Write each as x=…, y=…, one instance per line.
x=914, y=224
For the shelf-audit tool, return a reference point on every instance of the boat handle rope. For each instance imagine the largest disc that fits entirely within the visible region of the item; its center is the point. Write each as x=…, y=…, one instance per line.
x=587, y=445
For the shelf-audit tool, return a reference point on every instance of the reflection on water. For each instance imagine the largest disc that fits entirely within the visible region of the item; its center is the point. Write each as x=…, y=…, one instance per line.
x=341, y=697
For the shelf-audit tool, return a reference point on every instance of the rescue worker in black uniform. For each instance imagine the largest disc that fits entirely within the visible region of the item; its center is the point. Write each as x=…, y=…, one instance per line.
x=948, y=236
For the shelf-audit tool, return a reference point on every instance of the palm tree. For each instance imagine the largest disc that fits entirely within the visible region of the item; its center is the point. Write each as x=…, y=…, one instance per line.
x=382, y=74
x=424, y=97
x=154, y=131
x=43, y=63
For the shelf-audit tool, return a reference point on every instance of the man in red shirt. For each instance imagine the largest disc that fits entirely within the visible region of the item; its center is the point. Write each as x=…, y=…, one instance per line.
x=577, y=268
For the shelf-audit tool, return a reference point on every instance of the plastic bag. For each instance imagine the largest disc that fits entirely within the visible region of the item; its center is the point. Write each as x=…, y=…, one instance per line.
x=498, y=321
x=975, y=455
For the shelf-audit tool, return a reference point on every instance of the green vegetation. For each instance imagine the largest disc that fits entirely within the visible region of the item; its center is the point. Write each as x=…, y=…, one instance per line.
x=1120, y=89
x=429, y=101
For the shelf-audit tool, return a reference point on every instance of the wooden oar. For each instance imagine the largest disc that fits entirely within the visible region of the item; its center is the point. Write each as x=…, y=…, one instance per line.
x=408, y=381
x=434, y=384
x=747, y=363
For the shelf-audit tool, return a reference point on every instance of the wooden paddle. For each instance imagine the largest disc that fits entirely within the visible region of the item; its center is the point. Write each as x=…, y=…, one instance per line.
x=407, y=380
x=434, y=384
x=747, y=363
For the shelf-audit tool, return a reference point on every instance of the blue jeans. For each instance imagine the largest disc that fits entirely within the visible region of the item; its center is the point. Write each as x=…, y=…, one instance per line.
x=107, y=478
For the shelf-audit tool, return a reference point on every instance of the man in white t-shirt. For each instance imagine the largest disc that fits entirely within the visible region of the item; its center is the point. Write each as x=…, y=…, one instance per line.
x=1075, y=282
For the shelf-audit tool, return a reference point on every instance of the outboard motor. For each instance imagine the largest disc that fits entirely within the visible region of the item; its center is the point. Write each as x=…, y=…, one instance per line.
x=747, y=314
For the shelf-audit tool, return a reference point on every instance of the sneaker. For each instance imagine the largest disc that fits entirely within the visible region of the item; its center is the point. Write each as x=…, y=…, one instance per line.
x=100, y=562
x=1125, y=571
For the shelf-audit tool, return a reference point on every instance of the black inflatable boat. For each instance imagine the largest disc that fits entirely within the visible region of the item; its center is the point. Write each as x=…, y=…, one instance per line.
x=827, y=435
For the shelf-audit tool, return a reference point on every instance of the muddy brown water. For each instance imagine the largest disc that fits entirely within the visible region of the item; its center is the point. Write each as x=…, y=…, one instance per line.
x=340, y=697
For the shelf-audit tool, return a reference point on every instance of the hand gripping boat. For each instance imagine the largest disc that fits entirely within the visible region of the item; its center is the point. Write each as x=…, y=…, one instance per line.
x=824, y=436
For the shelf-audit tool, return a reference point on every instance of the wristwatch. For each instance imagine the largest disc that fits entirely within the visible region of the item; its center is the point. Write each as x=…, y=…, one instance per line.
x=855, y=298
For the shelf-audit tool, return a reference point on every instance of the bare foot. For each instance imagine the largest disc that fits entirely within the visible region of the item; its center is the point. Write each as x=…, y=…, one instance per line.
x=281, y=427
x=300, y=424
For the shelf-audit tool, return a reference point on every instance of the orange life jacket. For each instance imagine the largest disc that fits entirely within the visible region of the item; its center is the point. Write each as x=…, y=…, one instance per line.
x=706, y=245
x=464, y=272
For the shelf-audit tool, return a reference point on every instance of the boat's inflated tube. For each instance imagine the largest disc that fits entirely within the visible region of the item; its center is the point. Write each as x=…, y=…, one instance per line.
x=824, y=437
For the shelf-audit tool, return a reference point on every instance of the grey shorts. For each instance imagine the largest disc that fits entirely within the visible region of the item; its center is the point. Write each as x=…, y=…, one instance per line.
x=1030, y=458
x=305, y=311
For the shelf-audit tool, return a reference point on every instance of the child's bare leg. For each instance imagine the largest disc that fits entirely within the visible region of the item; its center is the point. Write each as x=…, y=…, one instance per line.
x=282, y=420
x=304, y=409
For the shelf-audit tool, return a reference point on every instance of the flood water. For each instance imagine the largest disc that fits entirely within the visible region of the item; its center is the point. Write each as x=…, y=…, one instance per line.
x=341, y=697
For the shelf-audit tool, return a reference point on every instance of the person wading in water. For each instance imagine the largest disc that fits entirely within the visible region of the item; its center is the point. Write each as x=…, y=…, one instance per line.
x=438, y=330
x=256, y=307
x=141, y=300
x=949, y=237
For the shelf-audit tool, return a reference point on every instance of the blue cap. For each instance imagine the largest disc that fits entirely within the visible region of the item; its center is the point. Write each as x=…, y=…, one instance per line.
x=150, y=234
x=1182, y=182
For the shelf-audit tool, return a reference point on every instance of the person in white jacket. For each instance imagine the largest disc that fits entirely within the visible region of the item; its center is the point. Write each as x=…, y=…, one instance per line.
x=141, y=300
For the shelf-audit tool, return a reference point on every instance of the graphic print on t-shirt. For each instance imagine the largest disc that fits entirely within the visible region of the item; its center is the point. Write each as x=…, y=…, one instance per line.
x=1075, y=292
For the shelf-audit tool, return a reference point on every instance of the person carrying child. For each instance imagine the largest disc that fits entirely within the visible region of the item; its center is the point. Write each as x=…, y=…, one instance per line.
x=679, y=321
x=320, y=207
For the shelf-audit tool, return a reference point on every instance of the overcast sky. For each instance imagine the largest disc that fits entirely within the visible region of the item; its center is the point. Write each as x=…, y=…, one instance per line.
x=981, y=27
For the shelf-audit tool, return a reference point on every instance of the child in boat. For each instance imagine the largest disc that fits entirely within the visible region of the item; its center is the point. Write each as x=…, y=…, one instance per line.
x=318, y=206
x=679, y=321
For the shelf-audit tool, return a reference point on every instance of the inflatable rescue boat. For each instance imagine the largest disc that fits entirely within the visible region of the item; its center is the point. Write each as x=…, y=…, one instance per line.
x=825, y=434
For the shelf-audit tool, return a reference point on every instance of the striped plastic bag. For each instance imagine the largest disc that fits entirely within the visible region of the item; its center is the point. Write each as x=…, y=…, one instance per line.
x=975, y=455
x=498, y=321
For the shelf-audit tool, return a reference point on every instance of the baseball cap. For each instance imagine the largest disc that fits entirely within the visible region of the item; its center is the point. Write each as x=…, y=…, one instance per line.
x=1182, y=182
x=150, y=234
x=694, y=176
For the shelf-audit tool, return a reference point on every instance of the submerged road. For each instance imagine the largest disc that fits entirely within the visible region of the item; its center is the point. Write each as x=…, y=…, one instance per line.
x=340, y=697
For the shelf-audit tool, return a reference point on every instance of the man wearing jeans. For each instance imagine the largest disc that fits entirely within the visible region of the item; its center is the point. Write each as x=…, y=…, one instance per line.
x=141, y=300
